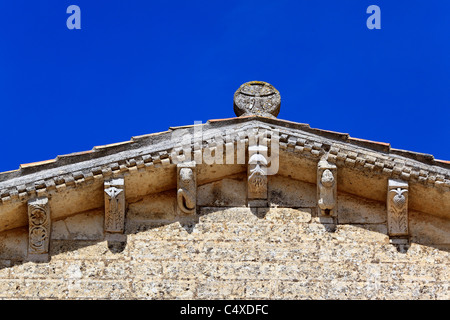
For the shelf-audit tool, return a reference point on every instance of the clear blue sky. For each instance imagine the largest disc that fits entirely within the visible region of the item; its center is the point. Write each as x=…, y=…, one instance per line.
x=139, y=67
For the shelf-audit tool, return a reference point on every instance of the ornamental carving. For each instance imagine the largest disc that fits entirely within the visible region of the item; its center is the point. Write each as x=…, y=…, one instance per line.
x=38, y=215
x=257, y=169
x=39, y=226
x=38, y=239
x=186, y=188
x=257, y=177
x=397, y=206
x=114, y=206
x=257, y=98
x=345, y=155
x=326, y=187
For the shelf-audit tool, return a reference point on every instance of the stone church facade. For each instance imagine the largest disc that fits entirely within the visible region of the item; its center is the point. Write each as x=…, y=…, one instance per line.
x=251, y=207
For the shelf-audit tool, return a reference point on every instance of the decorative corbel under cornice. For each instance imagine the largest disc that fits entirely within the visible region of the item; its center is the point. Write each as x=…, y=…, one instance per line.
x=115, y=209
x=257, y=191
x=326, y=188
x=39, y=228
x=397, y=212
x=186, y=188
x=344, y=155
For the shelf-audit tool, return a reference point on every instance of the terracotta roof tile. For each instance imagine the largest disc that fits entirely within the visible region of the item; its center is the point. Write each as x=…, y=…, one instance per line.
x=35, y=164
x=382, y=145
x=143, y=136
x=370, y=141
x=112, y=145
x=74, y=154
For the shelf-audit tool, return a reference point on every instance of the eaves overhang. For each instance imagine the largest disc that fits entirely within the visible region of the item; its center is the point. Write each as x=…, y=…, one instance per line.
x=356, y=158
x=74, y=183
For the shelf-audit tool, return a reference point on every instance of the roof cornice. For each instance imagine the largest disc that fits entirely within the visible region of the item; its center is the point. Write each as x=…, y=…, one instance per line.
x=154, y=150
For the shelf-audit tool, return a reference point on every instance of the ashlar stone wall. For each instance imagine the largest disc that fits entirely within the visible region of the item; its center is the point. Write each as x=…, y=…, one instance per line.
x=234, y=252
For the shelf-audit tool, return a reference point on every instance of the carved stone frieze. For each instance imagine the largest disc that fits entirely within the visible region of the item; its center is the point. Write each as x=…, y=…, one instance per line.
x=115, y=206
x=326, y=188
x=39, y=227
x=186, y=188
x=340, y=153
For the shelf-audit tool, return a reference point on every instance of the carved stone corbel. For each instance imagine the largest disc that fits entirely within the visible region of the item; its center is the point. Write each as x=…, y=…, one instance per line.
x=186, y=188
x=257, y=176
x=326, y=188
x=115, y=209
x=397, y=211
x=39, y=227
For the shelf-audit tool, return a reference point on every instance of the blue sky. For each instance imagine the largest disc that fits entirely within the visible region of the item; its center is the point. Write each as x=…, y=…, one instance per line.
x=139, y=67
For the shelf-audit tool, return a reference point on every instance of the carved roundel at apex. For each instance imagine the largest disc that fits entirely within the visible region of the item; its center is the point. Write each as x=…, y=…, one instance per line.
x=257, y=98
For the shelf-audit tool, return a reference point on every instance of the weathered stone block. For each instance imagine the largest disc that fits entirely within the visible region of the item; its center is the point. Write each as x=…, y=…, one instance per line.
x=143, y=269
x=83, y=226
x=112, y=289
x=14, y=244
x=165, y=231
x=279, y=233
x=31, y=270
x=220, y=289
x=328, y=271
x=286, y=270
x=5, y=269
x=161, y=250
x=12, y=289
x=242, y=270
x=427, y=229
x=164, y=289
x=85, y=250
x=228, y=251
x=286, y=215
x=298, y=290
x=160, y=206
x=236, y=232
x=184, y=269
x=286, y=192
x=279, y=251
x=228, y=215
x=228, y=192
x=352, y=209
x=259, y=289
x=335, y=252
x=416, y=253
x=364, y=234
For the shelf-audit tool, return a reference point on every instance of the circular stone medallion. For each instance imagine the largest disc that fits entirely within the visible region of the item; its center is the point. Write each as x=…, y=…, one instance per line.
x=257, y=98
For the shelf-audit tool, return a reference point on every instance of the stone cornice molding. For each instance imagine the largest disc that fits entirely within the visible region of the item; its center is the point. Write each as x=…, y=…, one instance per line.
x=153, y=151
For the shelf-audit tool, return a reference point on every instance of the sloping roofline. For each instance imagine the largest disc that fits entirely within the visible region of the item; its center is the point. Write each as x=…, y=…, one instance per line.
x=155, y=148
x=137, y=141
x=151, y=156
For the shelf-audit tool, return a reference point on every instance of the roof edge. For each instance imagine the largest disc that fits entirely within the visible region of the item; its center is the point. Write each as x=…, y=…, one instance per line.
x=155, y=138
